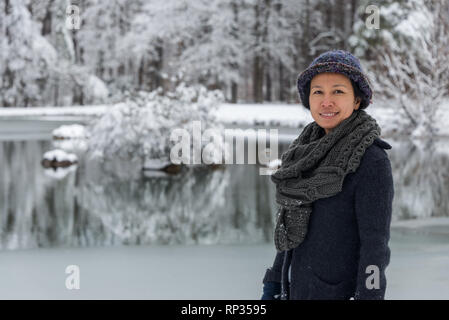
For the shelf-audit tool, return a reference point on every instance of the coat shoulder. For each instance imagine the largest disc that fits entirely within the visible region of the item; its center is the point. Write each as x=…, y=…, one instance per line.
x=376, y=151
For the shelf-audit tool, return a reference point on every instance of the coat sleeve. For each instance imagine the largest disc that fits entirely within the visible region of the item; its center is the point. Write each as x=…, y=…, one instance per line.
x=273, y=274
x=373, y=206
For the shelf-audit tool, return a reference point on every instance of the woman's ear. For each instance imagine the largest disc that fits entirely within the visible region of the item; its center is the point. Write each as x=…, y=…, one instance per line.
x=357, y=102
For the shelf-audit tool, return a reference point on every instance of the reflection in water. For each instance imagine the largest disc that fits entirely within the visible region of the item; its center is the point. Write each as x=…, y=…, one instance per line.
x=421, y=176
x=99, y=204
x=59, y=172
x=196, y=206
x=114, y=203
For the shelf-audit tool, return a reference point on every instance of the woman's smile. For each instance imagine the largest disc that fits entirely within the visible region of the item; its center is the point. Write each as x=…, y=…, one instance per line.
x=329, y=115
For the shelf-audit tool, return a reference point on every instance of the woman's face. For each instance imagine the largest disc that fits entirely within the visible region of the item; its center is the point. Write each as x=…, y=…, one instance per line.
x=331, y=99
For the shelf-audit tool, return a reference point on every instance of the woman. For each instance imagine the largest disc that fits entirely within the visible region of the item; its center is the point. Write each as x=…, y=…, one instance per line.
x=335, y=192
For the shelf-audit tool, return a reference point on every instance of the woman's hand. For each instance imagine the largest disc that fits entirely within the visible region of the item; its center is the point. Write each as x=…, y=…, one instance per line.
x=271, y=291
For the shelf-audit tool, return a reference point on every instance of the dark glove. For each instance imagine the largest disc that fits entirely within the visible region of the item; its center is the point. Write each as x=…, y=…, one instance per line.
x=271, y=291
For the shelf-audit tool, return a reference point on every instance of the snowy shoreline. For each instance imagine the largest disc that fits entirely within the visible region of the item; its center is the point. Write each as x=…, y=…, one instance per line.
x=247, y=115
x=53, y=111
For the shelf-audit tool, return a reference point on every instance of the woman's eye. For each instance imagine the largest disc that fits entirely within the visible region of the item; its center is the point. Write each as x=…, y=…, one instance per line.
x=338, y=91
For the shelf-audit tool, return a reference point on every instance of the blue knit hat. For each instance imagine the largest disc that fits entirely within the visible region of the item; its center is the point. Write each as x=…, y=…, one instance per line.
x=336, y=61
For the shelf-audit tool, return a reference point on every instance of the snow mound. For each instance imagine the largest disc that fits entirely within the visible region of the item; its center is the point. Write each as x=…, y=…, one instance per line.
x=74, y=131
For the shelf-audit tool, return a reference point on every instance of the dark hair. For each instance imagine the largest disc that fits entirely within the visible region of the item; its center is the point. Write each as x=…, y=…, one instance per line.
x=357, y=93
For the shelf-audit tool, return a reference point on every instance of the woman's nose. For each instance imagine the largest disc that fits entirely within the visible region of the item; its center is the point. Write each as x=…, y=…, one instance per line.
x=327, y=101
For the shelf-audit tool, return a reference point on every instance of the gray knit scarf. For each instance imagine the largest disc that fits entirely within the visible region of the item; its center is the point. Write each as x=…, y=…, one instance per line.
x=314, y=167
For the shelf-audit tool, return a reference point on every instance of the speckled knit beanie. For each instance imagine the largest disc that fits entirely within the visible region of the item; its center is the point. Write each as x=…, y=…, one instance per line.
x=336, y=61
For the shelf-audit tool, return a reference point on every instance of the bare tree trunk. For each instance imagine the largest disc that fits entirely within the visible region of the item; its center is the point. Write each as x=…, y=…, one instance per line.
x=329, y=6
x=257, y=62
x=340, y=22
x=268, y=93
x=258, y=80
x=46, y=23
x=56, y=94
x=8, y=75
x=78, y=96
x=281, y=82
x=140, y=72
x=234, y=92
x=100, y=64
x=282, y=85
x=158, y=66
x=306, y=34
x=235, y=35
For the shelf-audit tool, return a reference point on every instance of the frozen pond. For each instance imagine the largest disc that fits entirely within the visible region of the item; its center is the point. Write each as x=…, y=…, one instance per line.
x=114, y=221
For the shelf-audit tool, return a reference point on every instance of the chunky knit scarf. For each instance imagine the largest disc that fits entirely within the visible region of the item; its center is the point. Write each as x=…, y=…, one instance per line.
x=313, y=167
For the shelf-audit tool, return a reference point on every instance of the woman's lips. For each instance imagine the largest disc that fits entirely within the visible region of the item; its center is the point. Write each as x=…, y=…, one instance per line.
x=328, y=115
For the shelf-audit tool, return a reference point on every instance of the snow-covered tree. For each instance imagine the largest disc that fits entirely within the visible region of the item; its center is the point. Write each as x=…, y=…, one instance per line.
x=26, y=58
x=252, y=50
x=408, y=59
x=141, y=127
x=419, y=78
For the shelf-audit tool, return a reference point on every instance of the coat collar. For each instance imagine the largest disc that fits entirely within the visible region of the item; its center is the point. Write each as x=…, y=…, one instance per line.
x=381, y=143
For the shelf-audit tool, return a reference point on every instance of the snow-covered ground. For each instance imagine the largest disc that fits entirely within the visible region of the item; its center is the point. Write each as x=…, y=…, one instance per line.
x=53, y=111
x=286, y=115
x=281, y=115
x=418, y=270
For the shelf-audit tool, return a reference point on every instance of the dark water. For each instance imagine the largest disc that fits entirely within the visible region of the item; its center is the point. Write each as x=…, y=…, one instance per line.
x=102, y=204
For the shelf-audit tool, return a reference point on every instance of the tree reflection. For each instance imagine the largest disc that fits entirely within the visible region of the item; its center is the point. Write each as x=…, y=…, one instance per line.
x=114, y=203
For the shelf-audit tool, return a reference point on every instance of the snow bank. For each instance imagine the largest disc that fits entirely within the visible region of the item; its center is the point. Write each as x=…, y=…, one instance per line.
x=265, y=114
x=95, y=110
x=390, y=118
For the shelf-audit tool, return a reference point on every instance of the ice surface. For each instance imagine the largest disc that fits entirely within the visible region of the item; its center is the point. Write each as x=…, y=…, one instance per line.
x=418, y=270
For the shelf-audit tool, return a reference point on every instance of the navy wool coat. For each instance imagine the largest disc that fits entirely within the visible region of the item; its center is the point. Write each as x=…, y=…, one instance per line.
x=345, y=251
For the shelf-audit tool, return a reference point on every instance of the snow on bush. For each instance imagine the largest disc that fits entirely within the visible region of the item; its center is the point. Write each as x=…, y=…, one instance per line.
x=141, y=126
